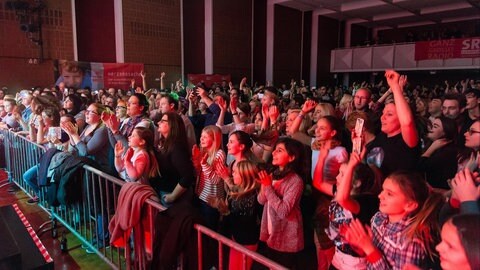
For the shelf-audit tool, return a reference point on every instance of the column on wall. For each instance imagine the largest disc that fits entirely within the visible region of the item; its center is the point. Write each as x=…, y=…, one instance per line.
x=119, y=42
x=270, y=36
x=208, y=36
x=314, y=50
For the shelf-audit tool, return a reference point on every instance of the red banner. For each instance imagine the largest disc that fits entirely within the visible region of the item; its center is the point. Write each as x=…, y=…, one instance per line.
x=448, y=48
x=120, y=75
x=96, y=75
x=208, y=79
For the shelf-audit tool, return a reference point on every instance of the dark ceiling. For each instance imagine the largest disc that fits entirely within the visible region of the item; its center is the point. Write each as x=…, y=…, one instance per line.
x=387, y=14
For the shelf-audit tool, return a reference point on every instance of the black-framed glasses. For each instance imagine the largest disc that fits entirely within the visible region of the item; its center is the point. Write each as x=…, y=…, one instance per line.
x=121, y=107
x=471, y=131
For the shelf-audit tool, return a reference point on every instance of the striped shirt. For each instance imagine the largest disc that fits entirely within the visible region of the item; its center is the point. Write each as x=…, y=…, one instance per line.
x=210, y=183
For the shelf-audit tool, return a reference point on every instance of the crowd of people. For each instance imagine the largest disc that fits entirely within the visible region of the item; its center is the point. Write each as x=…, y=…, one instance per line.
x=380, y=176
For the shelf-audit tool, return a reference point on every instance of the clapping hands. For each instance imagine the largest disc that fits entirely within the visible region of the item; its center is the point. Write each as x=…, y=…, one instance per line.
x=464, y=185
x=265, y=178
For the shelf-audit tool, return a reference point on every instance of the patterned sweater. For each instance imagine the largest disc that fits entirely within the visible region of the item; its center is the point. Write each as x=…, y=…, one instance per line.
x=281, y=226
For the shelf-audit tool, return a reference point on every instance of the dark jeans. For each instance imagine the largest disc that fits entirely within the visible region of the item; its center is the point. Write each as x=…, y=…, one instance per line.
x=210, y=215
x=31, y=178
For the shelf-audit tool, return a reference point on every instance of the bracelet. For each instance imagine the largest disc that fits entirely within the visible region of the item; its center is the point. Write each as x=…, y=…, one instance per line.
x=300, y=115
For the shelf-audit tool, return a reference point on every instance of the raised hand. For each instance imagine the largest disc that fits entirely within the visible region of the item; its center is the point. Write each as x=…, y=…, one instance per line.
x=265, y=110
x=309, y=106
x=265, y=178
x=189, y=91
x=356, y=158
x=195, y=152
x=112, y=122
x=233, y=105
x=201, y=92
x=119, y=149
x=273, y=113
x=222, y=171
x=129, y=154
x=105, y=116
x=243, y=81
x=222, y=104
x=392, y=77
x=325, y=149
x=402, y=81
x=69, y=128
x=463, y=185
x=143, y=74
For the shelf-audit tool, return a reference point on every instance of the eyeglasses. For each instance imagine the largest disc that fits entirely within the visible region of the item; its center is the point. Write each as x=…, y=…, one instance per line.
x=471, y=131
x=91, y=112
x=121, y=107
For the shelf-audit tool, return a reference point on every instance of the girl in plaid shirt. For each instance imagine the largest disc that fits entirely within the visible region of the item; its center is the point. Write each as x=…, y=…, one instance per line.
x=405, y=229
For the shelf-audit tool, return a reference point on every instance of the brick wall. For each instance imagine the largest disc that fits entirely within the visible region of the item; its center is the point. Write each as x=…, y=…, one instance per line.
x=152, y=36
x=16, y=47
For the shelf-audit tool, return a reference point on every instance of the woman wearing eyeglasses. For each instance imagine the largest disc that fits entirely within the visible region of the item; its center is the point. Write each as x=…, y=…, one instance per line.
x=93, y=141
x=121, y=110
x=471, y=157
x=137, y=110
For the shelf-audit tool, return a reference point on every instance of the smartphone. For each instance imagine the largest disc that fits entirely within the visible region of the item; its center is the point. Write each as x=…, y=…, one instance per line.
x=55, y=132
x=357, y=138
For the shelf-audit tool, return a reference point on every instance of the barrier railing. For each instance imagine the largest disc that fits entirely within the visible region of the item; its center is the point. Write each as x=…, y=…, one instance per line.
x=88, y=218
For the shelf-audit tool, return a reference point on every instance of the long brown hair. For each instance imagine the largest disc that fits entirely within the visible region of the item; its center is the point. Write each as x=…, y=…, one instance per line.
x=216, y=134
x=147, y=135
x=177, y=136
x=248, y=172
x=424, y=223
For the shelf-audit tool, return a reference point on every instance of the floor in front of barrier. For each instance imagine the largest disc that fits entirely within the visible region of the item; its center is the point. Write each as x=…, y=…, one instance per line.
x=75, y=258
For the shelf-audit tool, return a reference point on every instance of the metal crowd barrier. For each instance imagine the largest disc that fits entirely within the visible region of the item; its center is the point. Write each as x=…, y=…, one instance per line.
x=88, y=219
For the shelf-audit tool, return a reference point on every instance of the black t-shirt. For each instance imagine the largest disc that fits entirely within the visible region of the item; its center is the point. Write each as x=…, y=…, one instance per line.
x=397, y=154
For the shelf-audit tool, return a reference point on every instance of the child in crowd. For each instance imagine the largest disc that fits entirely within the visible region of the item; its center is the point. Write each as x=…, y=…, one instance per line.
x=239, y=148
x=241, y=211
x=460, y=246
x=208, y=161
x=355, y=195
x=327, y=156
x=282, y=226
x=138, y=163
x=406, y=227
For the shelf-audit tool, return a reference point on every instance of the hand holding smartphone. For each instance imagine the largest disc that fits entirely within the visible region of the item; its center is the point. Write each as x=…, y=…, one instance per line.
x=357, y=136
